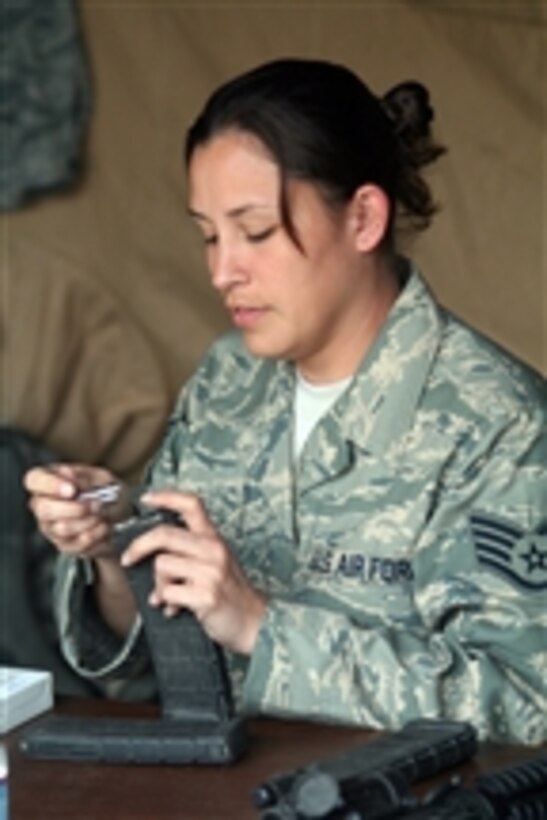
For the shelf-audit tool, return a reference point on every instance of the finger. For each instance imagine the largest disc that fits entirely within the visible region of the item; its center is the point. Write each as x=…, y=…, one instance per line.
x=48, y=509
x=162, y=538
x=176, y=596
x=186, y=569
x=73, y=529
x=188, y=505
x=64, y=480
x=87, y=543
x=54, y=481
x=94, y=541
x=170, y=611
x=203, y=583
x=88, y=478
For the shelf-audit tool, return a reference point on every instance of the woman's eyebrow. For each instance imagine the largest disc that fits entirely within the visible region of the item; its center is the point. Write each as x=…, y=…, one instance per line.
x=234, y=212
x=197, y=215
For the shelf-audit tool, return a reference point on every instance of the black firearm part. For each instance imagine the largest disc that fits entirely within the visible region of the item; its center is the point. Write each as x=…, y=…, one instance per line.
x=371, y=782
x=518, y=792
x=198, y=723
x=133, y=740
x=376, y=774
x=190, y=668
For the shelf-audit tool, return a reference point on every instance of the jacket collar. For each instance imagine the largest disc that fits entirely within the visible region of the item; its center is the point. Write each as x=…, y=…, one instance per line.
x=379, y=406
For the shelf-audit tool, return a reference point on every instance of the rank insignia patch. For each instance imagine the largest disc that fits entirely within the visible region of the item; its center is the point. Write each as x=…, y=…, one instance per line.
x=502, y=545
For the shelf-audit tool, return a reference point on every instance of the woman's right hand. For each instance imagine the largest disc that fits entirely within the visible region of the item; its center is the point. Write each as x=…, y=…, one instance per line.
x=79, y=528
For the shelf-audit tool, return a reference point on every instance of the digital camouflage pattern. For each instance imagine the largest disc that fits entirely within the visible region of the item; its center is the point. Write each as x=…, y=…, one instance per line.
x=405, y=555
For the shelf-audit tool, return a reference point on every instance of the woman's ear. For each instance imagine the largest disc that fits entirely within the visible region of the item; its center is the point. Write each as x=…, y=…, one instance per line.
x=370, y=211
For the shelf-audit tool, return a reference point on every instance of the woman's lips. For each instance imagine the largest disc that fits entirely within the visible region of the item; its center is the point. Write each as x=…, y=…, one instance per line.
x=246, y=317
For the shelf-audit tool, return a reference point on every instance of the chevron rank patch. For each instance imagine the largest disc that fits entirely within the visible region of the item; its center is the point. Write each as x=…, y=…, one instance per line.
x=502, y=545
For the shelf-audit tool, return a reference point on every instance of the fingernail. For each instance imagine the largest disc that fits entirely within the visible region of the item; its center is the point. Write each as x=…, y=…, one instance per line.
x=67, y=490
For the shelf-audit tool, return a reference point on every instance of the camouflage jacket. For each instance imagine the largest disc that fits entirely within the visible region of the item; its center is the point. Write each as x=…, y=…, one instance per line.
x=404, y=555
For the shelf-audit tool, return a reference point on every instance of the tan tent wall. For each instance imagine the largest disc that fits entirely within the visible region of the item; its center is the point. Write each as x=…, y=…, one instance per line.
x=106, y=305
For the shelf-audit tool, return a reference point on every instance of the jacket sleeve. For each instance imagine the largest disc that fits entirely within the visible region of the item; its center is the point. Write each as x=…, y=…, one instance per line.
x=477, y=649
x=117, y=668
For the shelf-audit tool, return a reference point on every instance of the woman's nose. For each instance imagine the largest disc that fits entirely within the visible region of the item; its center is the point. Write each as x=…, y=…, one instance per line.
x=225, y=267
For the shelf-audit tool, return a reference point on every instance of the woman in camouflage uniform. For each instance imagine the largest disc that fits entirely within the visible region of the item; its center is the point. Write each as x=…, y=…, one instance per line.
x=363, y=477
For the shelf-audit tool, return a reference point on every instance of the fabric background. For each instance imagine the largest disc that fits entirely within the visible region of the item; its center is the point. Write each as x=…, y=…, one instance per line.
x=105, y=302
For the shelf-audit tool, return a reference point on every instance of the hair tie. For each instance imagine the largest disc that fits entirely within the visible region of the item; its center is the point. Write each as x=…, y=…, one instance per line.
x=407, y=107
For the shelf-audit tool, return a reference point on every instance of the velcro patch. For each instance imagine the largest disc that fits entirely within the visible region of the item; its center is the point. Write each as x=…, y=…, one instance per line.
x=502, y=545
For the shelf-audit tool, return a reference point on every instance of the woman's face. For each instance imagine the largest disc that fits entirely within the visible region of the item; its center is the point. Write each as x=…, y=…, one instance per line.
x=289, y=303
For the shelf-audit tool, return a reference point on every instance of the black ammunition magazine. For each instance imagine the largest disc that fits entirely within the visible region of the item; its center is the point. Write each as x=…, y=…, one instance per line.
x=198, y=722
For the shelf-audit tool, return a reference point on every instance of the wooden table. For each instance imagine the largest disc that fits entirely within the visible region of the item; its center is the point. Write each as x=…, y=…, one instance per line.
x=39, y=790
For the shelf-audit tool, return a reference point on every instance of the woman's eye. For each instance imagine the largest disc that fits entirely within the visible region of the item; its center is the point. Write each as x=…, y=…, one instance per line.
x=209, y=240
x=260, y=236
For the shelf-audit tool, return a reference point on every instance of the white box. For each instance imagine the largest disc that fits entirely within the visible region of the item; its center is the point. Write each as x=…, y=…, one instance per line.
x=24, y=693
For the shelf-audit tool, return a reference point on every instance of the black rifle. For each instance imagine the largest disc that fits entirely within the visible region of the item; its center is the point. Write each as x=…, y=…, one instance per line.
x=372, y=782
x=198, y=723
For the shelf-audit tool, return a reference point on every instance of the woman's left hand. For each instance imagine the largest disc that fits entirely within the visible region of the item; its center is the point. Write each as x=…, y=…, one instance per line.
x=195, y=569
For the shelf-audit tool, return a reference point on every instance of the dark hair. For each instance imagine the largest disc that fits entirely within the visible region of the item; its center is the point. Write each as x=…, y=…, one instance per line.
x=321, y=123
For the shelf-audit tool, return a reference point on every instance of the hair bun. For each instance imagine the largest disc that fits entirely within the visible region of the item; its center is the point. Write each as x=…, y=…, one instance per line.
x=407, y=106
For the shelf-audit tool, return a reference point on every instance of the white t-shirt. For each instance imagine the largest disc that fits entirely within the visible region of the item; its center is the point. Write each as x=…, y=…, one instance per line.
x=311, y=401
